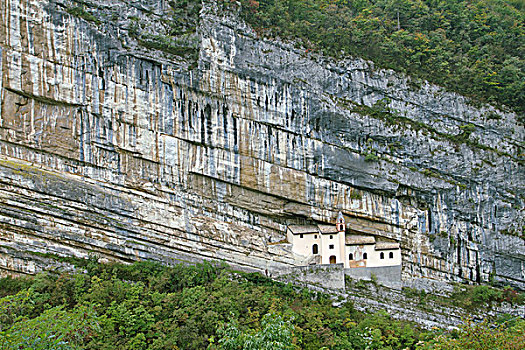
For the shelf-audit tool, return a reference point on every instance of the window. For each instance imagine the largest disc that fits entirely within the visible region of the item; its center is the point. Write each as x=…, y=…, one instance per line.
x=315, y=249
x=333, y=259
x=382, y=255
x=331, y=237
x=315, y=236
x=391, y=255
x=365, y=256
x=301, y=235
x=351, y=256
x=331, y=246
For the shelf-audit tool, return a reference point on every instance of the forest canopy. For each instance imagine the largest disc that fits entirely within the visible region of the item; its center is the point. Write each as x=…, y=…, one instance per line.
x=147, y=306
x=474, y=47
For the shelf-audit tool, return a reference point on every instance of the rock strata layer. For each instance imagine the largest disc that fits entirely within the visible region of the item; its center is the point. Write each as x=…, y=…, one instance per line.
x=116, y=141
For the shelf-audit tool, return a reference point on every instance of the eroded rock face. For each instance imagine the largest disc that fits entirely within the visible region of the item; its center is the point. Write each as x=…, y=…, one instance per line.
x=110, y=145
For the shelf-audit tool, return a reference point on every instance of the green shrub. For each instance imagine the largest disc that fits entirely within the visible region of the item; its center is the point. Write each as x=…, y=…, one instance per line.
x=275, y=333
x=479, y=336
x=355, y=195
x=371, y=157
x=471, y=47
x=80, y=12
x=54, y=328
x=485, y=294
x=146, y=305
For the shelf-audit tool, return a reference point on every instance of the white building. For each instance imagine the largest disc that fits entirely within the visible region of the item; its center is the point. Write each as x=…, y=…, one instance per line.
x=330, y=244
x=364, y=251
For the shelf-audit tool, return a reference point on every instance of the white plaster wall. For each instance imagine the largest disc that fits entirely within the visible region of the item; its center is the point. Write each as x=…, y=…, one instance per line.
x=358, y=251
x=303, y=246
x=327, y=252
x=376, y=261
x=342, y=248
x=374, y=256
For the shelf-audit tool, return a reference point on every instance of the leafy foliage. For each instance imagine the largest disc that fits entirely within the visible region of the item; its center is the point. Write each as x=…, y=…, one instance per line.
x=79, y=11
x=177, y=36
x=469, y=297
x=54, y=328
x=275, y=334
x=480, y=336
x=482, y=295
x=472, y=47
x=149, y=306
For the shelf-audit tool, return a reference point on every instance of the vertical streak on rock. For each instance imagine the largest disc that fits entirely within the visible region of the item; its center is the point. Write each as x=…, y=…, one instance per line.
x=1, y=79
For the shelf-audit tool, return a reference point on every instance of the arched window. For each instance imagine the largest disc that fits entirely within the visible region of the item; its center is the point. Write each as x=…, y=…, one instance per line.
x=315, y=249
x=332, y=259
x=331, y=237
x=351, y=256
x=382, y=255
x=391, y=255
x=365, y=256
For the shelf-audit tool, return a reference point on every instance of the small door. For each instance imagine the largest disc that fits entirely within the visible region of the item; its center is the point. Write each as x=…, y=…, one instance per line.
x=315, y=249
x=332, y=259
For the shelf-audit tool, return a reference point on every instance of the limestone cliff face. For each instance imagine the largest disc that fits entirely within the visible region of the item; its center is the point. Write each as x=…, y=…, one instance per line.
x=114, y=141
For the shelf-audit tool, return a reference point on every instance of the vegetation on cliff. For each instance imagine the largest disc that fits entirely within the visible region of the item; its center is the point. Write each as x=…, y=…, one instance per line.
x=149, y=306
x=178, y=35
x=473, y=47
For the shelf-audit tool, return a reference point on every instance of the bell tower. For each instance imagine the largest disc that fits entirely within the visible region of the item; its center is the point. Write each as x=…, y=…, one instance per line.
x=340, y=223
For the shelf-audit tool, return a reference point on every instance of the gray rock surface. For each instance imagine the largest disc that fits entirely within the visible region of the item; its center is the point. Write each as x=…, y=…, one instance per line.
x=114, y=141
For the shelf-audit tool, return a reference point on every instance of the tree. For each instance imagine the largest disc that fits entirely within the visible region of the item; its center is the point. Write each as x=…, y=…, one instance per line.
x=480, y=336
x=55, y=328
x=275, y=334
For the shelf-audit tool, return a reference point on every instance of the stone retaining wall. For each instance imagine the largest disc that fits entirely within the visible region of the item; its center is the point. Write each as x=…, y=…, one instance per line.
x=386, y=275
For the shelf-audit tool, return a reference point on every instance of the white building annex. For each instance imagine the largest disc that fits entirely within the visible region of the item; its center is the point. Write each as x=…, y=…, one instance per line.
x=330, y=244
